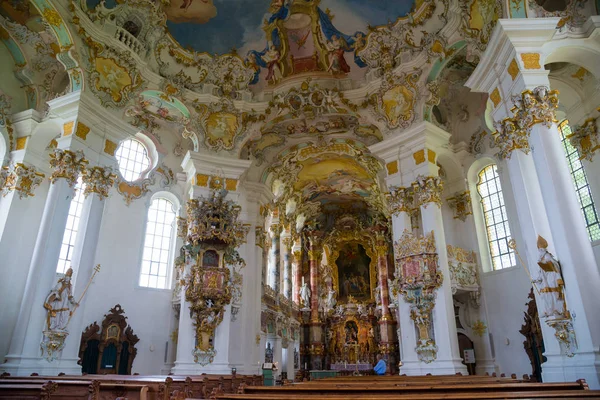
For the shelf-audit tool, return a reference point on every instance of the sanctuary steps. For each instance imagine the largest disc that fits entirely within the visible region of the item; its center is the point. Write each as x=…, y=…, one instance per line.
x=130, y=387
x=418, y=387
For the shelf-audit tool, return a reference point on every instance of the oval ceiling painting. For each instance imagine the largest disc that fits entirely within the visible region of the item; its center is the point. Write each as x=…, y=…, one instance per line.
x=279, y=38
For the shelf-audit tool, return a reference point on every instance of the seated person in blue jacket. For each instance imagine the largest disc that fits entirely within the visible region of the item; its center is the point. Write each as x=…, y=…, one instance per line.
x=380, y=367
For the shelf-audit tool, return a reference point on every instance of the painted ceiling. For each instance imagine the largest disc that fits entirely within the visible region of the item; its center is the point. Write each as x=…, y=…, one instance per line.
x=217, y=26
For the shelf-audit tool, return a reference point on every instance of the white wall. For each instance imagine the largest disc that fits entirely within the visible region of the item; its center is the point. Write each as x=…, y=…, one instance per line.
x=119, y=252
x=505, y=293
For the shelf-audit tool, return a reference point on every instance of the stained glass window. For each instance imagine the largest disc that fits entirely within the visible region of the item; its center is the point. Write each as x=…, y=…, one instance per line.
x=582, y=187
x=496, y=221
x=158, y=244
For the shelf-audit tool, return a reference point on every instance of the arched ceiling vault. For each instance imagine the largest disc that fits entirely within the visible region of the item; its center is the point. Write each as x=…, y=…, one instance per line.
x=315, y=184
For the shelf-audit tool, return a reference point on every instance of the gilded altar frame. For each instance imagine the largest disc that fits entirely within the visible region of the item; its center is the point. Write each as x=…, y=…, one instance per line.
x=334, y=243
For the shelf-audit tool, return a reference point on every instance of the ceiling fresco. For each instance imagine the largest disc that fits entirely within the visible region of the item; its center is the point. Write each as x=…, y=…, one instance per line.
x=278, y=38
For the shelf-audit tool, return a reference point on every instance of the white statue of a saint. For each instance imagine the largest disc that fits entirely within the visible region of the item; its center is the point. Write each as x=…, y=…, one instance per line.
x=60, y=304
x=331, y=300
x=550, y=283
x=378, y=295
x=305, y=295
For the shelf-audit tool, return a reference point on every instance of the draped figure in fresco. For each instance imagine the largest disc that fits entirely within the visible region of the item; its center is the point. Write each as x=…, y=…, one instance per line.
x=337, y=63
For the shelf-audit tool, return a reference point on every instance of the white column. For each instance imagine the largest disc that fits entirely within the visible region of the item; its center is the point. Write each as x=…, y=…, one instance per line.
x=19, y=225
x=573, y=249
x=448, y=359
x=277, y=354
x=83, y=267
x=289, y=361
x=23, y=357
x=407, y=337
x=186, y=340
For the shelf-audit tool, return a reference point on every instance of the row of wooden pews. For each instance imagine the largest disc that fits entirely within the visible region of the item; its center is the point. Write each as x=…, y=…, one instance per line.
x=130, y=387
x=418, y=387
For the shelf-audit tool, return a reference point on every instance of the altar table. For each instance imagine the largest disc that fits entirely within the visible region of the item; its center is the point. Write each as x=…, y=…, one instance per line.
x=351, y=367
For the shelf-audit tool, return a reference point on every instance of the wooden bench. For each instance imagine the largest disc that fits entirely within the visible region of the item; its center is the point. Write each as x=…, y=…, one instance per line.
x=28, y=391
x=152, y=387
x=63, y=389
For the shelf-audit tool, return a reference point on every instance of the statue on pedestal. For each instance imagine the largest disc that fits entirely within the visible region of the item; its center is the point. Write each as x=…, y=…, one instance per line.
x=305, y=295
x=60, y=304
x=550, y=283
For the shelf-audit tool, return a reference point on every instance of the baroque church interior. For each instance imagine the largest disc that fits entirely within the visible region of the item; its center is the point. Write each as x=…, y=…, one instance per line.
x=297, y=188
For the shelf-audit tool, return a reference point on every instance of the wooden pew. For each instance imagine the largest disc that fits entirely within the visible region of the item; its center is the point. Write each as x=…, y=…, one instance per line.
x=154, y=387
x=64, y=389
x=28, y=391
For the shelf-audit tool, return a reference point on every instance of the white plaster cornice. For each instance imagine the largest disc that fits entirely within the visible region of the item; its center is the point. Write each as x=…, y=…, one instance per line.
x=418, y=136
x=201, y=163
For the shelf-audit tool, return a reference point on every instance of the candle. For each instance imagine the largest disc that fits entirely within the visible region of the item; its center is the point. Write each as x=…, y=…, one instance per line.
x=302, y=281
x=305, y=366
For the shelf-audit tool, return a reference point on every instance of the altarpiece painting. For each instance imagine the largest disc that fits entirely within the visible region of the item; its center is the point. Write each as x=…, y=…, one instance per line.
x=353, y=273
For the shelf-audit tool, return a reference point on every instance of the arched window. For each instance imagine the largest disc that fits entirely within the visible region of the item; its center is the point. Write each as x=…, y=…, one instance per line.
x=582, y=187
x=133, y=159
x=158, y=244
x=70, y=235
x=496, y=222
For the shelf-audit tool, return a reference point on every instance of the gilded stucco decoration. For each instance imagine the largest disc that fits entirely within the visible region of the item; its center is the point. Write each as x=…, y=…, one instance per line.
x=463, y=269
x=384, y=46
x=585, y=139
x=221, y=123
x=428, y=189
x=113, y=74
x=211, y=266
x=21, y=178
x=397, y=98
x=308, y=111
x=400, y=199
x=98, y=180
x=511, y=136
x=417, y=278
x=572, y=17
x=5, y=120
x=134, y=190
x=67, y=165
x=478, y=20
x=537, y=106
x=460, y=204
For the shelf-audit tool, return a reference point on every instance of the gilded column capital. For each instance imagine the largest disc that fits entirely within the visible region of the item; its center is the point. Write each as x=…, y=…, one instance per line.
x=510, y=136
x=20, y=177
x=400, y=199
x=428, y=189
x=314, y=255
x=585, y=139
x=460, y=204
x=68, y=165
x=537, y=106
x=98, y=180
x=287, y=242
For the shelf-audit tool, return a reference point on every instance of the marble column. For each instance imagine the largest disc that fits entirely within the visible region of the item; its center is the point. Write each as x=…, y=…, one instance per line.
x=286, y=242
x=23, y=357
x=386, y=322
x=297, y=270
x=428, y=192
x=316, y=330
x=275, y=275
